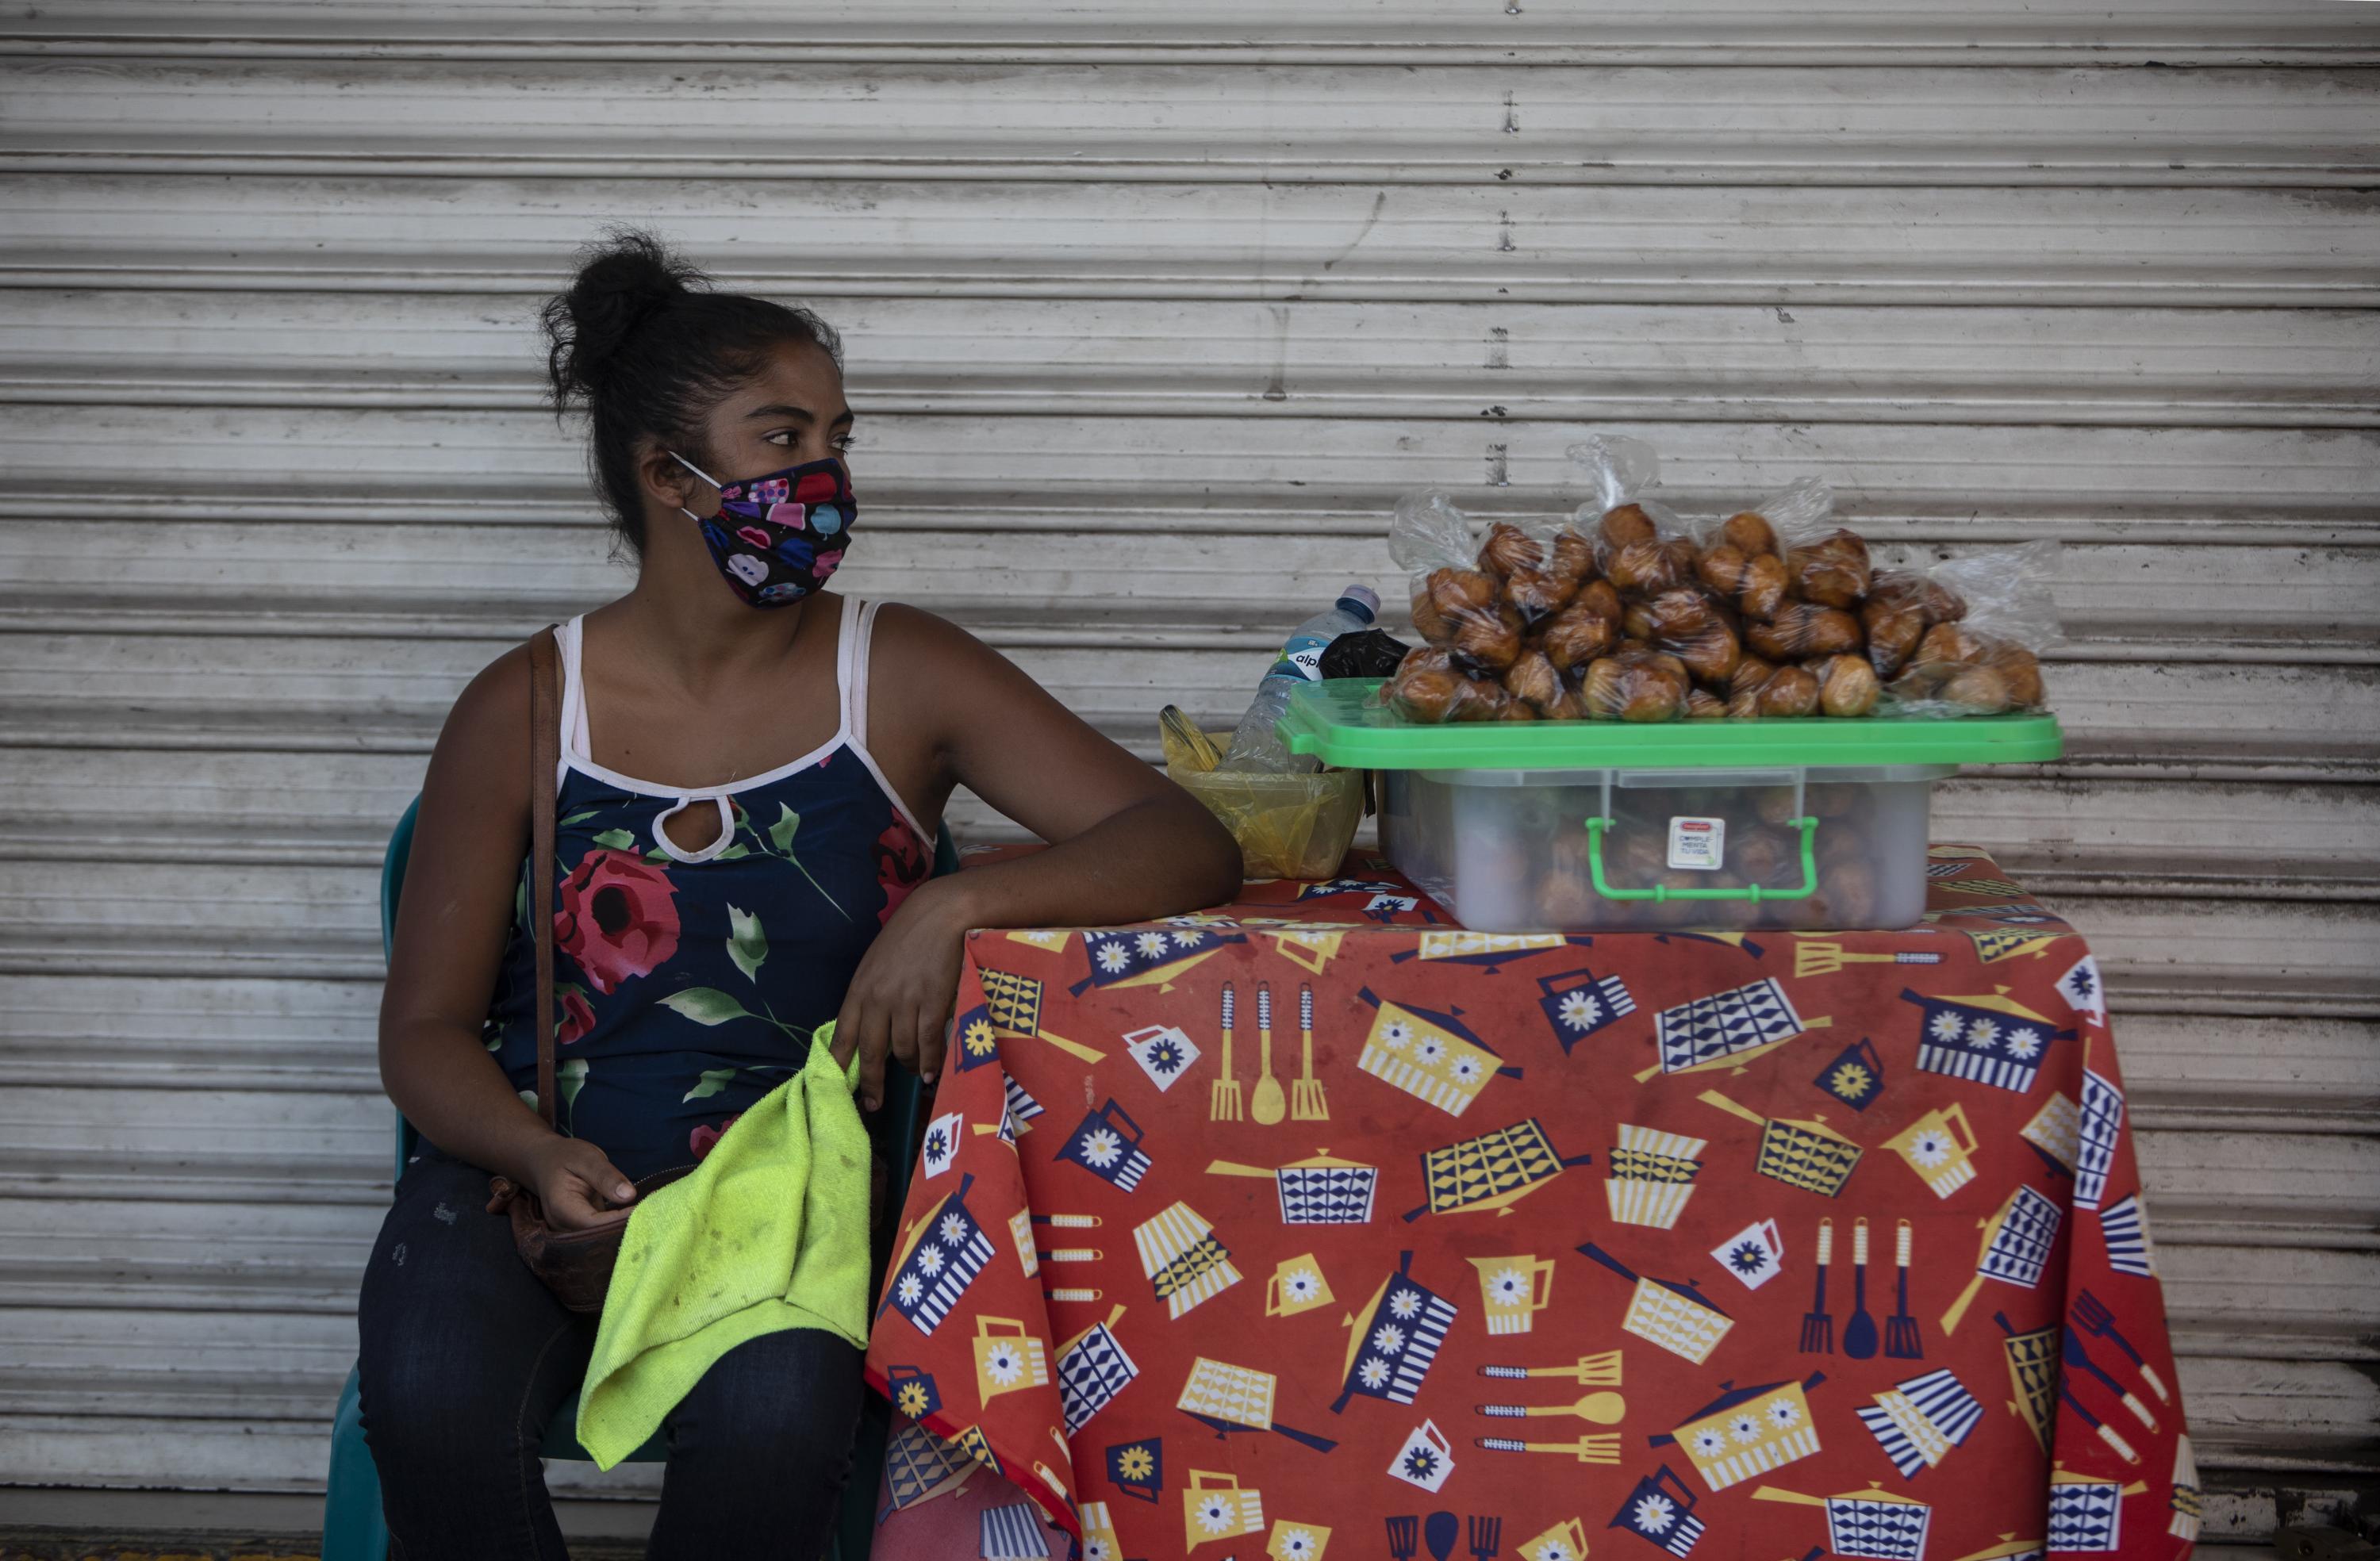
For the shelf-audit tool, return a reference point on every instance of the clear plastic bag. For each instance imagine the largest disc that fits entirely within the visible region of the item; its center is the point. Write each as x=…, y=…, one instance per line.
x=1456, y=603
x=1641, y=546
x=1629, y=614
x=1489, y=608
x=1748, y=559
x=1636, y=684
x=1987, y=619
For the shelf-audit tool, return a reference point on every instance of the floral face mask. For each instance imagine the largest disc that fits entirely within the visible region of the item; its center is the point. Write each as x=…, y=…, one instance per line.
x=777, y=538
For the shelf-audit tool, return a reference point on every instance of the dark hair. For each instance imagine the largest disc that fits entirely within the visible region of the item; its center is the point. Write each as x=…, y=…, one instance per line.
x=643, y=346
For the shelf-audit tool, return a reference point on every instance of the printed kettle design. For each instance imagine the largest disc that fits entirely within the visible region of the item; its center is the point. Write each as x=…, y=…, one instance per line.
x=1395, y=1337
x=1749, y=1431
x=1939, y=1146
x=1662, y=1508
x=1432, y=1057
x=1215, y=1507
x=1514, y=1290
x=1007, y=1359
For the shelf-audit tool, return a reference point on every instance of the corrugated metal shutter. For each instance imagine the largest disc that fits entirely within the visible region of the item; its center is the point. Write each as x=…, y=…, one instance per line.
x=1150, y=317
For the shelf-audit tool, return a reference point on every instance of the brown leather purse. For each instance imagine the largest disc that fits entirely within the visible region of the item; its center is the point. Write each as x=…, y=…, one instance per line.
x=574, y=1265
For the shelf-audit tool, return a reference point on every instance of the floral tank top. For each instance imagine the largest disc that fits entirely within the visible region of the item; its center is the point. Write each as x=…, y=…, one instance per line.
x=687, y=983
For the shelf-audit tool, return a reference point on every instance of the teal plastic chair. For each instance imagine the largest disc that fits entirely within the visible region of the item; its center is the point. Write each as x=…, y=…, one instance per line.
x=352, y=1526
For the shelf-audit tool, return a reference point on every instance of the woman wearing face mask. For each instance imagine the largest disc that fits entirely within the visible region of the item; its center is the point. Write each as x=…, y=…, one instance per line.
x=753, y=768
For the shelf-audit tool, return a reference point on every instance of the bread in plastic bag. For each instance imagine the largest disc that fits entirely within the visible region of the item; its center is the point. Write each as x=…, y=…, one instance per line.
x=1626, y=614
x=1984, y=657
x=1641, y=545
x=1692, y=624
x=1637, y=683
x=1745, y=558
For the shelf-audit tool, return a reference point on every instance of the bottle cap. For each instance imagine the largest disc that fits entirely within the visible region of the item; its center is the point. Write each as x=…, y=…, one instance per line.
x=1364, y=596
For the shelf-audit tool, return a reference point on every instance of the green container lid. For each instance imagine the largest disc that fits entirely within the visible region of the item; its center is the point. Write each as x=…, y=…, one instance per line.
x=1337, y=721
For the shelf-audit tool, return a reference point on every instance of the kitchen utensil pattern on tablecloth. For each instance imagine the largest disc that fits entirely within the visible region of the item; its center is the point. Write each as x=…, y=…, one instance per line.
x=1309, y=1102
x=1002, y=1394
x=1902, y=1338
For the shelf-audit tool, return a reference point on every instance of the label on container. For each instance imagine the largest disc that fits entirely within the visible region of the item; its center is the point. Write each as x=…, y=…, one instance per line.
x=1697, y=843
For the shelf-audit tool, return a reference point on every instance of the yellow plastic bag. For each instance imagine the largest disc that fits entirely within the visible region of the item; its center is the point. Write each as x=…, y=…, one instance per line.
x=1288, y=826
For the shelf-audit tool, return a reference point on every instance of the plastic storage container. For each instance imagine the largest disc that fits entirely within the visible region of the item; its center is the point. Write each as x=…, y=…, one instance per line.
x=1596, y=826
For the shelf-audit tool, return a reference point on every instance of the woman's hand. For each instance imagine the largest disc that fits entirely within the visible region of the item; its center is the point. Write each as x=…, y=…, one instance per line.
x=899, y=1001
x=575, y=1183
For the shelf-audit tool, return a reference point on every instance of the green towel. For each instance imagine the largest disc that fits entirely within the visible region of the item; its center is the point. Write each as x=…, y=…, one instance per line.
x=770, y=1231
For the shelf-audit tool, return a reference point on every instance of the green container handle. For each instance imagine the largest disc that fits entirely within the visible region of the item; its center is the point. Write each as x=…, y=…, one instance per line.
x=1754, y=893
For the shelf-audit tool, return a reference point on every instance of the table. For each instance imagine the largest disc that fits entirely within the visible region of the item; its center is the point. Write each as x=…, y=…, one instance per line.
x=1318, y=1225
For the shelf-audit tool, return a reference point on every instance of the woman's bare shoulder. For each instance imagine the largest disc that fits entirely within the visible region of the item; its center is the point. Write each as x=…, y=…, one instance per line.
x=487, y=730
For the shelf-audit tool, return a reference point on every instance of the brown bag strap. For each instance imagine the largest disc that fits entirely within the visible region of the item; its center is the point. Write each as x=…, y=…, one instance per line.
x=544, y=758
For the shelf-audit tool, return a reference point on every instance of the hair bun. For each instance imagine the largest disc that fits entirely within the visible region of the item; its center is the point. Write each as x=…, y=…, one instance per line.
x=622, y=282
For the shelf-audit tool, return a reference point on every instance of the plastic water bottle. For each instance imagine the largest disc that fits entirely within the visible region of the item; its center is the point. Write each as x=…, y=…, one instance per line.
x=1256, y=745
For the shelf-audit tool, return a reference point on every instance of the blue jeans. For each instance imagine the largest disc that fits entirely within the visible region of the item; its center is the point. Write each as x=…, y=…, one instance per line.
x=466, y=1356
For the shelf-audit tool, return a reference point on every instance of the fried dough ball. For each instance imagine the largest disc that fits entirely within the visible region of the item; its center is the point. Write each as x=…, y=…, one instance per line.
x=1599, y=598
x=1450, y=598
x=1508, y=550
x=1577, y=635
x=1634, y=689
x=1790, y=691
x=1892, y=635
x=1901, y=607
x=1748, y=532
x=1651, y=567
x=1687, y=624
x=1425, y=658
x=1485, y=701
x=1702, y=705
x=1978, y=690
x=1802, y=629
x=1571, y=557
x=1762, y=856
x=1847, y=685
x=1949, y=642
x=1427, y=693
x=1489, y=641
x=1637, y=857
x=1624, y=524
x=2021, y=668
x=1537, y=594
x=1762, y=593
x=1569, y=705
x=1721, y=568
x=1835, y=800
x=1533, y=678
x=1833, y=571
x=1850, y=894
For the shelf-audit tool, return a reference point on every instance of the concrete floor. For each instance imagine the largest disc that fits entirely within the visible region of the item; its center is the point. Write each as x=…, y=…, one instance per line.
x=89, y=1525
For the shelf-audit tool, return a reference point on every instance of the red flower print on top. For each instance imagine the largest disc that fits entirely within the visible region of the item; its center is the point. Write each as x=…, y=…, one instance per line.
x=900, y=866
x=617, y=917
x=577, y=1016
x=704, y=1139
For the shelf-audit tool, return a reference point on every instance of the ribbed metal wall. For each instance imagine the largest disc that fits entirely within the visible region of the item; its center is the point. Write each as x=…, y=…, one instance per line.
x=1148, y=318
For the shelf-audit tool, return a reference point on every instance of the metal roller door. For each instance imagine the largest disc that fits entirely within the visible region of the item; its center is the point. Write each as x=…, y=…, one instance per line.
x=1149, y=319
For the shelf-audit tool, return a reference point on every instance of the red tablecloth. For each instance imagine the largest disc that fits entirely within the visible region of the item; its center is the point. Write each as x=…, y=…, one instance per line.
x=1556, y=1241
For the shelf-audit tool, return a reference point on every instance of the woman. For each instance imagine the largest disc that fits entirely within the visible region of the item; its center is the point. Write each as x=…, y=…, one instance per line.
x=753, y=769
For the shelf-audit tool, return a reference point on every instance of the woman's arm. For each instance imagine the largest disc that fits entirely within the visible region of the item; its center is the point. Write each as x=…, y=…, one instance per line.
x=1125, y=844
x=468, y=840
